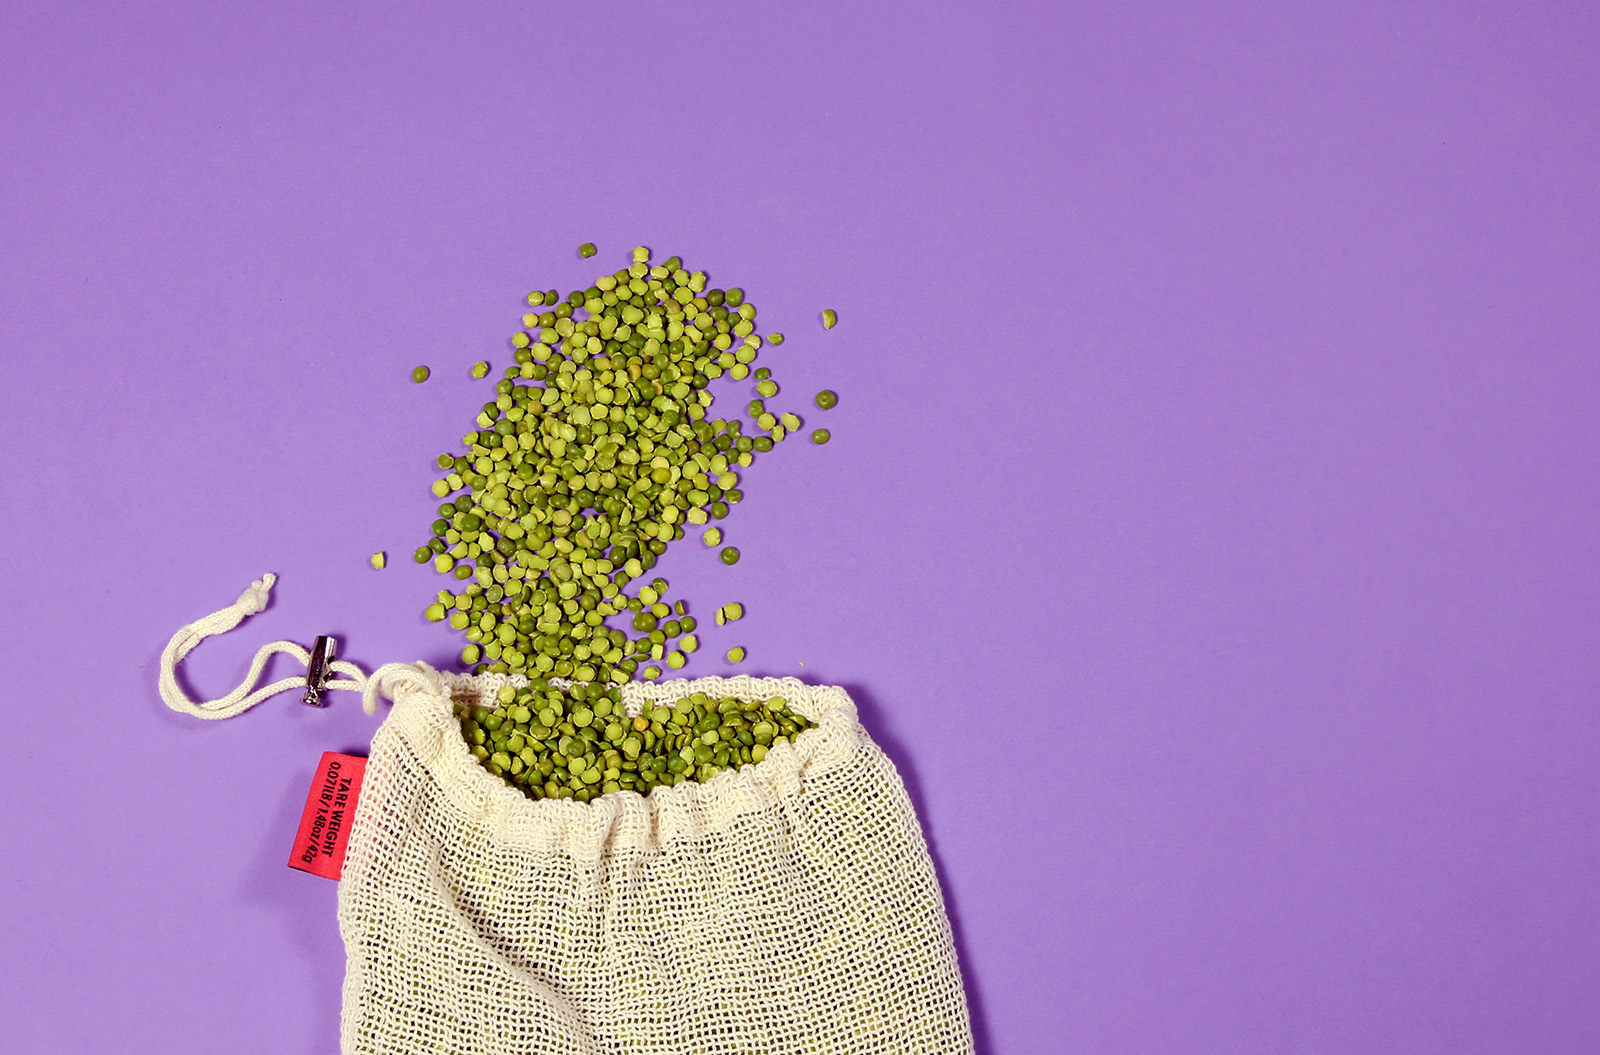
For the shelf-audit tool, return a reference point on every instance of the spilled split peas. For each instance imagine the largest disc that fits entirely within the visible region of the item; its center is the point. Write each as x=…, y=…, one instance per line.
x=595, y=451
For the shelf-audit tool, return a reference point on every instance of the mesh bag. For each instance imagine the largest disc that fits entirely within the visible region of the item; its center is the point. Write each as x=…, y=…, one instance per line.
x=783, y=908
x=786, y=907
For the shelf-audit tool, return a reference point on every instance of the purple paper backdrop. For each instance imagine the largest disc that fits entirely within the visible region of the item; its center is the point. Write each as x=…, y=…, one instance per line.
x=1209, y=527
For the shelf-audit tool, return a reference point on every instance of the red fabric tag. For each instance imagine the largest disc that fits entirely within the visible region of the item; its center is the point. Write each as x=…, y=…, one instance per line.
x=330, y=808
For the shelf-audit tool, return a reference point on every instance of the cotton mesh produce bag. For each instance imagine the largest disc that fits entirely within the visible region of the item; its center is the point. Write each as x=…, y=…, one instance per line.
x=786, y=907
x=789, y=906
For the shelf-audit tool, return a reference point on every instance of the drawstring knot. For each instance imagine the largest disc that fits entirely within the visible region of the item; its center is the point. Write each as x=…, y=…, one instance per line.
x=255, y=598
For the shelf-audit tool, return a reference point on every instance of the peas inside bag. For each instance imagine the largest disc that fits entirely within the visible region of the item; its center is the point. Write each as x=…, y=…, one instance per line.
x=578, y=741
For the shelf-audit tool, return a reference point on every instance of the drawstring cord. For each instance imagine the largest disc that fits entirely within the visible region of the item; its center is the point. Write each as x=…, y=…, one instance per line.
x=386, y=680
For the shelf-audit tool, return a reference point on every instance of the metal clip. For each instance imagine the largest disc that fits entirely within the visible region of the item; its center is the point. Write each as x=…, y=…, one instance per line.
x=322, y=653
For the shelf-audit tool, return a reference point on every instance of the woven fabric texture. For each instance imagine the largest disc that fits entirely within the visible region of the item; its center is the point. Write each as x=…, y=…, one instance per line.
x=785, y=907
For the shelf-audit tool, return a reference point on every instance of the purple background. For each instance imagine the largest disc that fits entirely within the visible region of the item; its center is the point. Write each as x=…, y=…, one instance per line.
x=1209, y=528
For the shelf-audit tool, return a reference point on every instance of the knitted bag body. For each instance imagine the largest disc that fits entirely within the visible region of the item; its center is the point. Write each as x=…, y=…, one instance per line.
x=788, y=906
